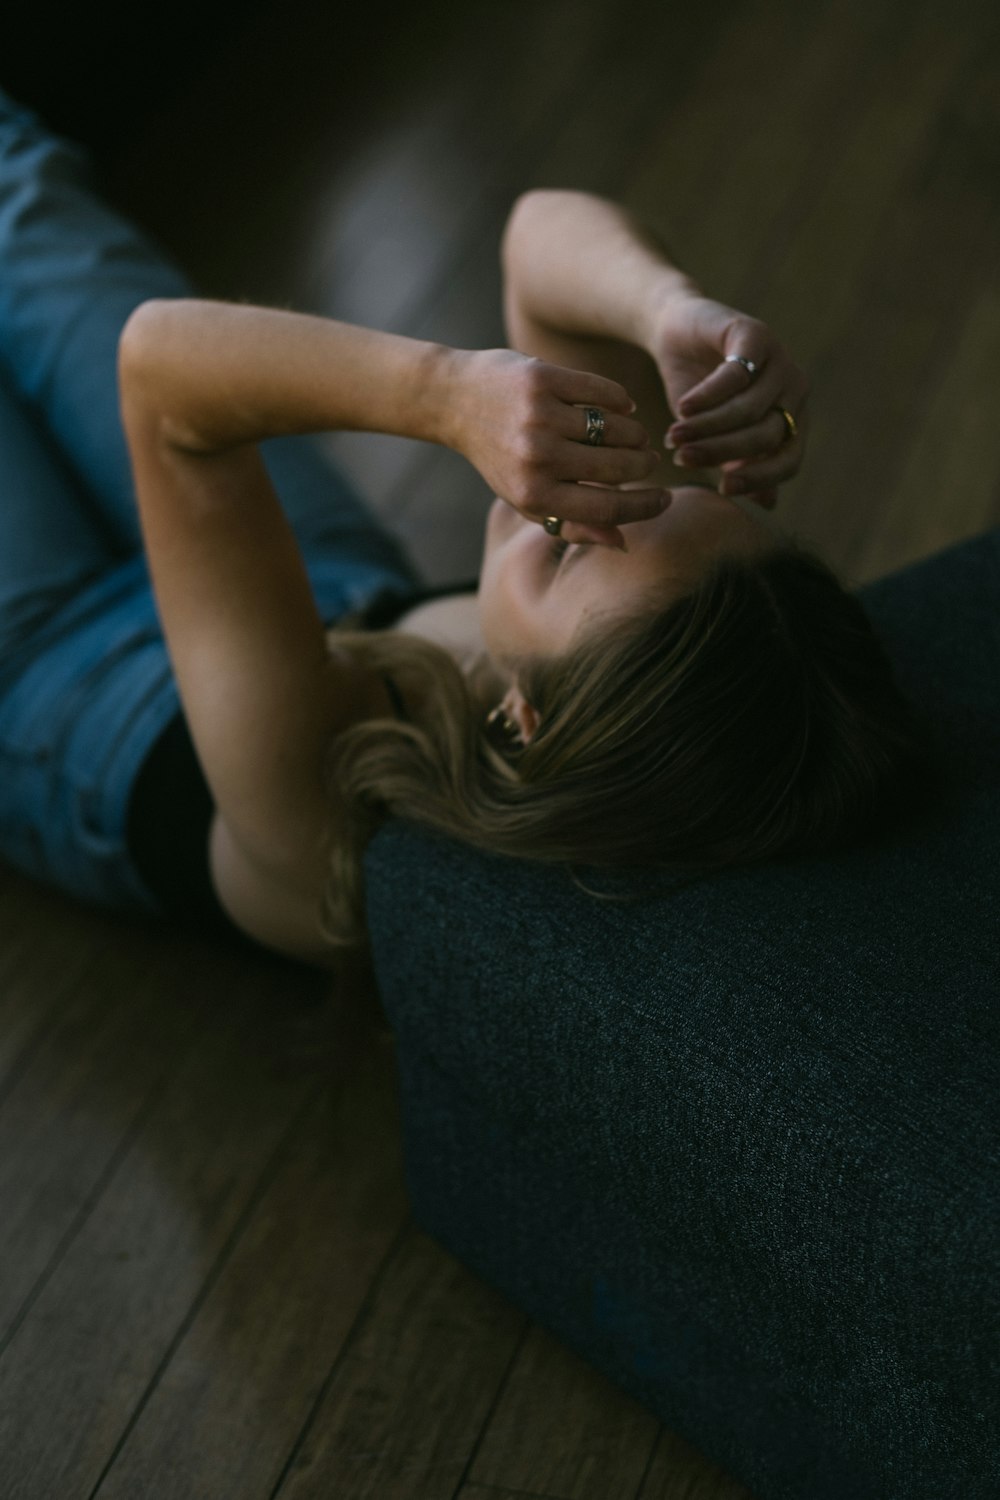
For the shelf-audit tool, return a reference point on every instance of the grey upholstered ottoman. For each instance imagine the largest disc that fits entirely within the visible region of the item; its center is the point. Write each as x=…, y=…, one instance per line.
x=737, y=1144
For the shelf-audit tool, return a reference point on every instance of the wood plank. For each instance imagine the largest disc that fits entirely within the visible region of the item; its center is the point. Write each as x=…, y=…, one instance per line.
x=821, y=296
x=69, y=1113
x=949, y=484
x=563, y=1428
x=735, y=163
x=491, y=1492
x=435, y=179
x=938, y=256
x=224, y=1413
x=813, y=202
x=83, y=1360
x=37, y=978
x=405, y=1405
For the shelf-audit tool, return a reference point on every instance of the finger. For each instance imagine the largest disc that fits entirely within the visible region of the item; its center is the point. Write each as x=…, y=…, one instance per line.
x=780, y=384
x=619, y=432
x=763, y=473
x=745, y=407
x=725, y=381
x=759, y=438
x=748, y=339
x=580, y=461
x=603, y=509
x=584, y=388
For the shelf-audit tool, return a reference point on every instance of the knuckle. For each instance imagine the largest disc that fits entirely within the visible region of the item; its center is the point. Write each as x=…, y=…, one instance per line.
x=527, y=409
x=536, y=379
x=530, y=491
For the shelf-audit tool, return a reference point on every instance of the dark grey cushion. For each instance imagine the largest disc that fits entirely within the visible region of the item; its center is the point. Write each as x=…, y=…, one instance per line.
x=737, y=1143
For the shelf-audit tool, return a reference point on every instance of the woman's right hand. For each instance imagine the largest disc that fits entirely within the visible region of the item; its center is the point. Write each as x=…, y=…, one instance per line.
x=522, y=423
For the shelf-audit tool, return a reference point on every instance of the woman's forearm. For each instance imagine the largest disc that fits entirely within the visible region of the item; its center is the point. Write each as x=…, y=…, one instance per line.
x=584, y=265
x=212, y=379
x=221, y=374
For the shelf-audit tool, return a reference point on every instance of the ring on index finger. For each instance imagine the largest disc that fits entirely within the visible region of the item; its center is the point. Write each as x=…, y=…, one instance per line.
x=595, y=426
x=553, y=525
x=741, y=359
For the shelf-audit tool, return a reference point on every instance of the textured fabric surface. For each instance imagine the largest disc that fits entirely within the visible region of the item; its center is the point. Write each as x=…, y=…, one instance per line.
x=737, y=1144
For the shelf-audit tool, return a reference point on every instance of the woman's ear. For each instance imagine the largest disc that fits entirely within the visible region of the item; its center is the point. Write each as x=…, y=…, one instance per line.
x=516, y=706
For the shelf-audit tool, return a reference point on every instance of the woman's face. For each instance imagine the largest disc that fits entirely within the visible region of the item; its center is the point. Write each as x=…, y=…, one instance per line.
x=536, y=595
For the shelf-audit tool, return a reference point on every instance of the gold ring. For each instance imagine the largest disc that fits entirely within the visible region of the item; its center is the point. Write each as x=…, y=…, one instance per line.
x=792, y=427
x=552, y=525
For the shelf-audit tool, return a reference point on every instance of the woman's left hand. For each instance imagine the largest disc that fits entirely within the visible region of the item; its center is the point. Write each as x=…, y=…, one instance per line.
x=728, y=416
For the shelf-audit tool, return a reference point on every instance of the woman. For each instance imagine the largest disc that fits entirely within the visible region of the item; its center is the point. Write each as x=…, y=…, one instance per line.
x=649, y=673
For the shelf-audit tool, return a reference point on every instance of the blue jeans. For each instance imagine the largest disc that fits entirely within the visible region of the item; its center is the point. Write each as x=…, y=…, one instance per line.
x=86, y=685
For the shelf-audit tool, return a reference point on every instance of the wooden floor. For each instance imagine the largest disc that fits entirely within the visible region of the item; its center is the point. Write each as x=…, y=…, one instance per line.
x=210, y=1282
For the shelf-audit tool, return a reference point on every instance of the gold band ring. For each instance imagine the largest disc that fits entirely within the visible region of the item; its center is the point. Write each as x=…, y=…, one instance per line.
x=553, y=525
x=791, y=426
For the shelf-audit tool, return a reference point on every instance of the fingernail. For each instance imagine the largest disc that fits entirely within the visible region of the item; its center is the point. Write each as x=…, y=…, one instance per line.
x=681, y=461
x=669, y=442
x=632, y=408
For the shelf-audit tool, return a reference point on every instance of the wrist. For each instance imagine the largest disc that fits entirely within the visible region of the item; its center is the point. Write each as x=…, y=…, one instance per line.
x=666, y=296
x=446, y=379
x=456, y=383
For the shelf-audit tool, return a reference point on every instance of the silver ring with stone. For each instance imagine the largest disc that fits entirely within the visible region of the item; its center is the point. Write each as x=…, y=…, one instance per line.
x=595, y=426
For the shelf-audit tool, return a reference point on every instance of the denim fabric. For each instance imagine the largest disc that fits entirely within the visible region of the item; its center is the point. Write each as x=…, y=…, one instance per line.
x=738, y=1144
x=85, y=682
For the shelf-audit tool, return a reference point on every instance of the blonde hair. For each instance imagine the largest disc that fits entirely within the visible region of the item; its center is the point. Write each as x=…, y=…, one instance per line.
x=755, y=717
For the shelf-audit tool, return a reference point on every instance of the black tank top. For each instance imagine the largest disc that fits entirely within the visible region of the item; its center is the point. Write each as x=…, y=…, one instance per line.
x=170, y=808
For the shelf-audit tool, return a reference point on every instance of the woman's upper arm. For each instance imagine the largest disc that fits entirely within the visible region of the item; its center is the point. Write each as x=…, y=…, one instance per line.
x=248, y=647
